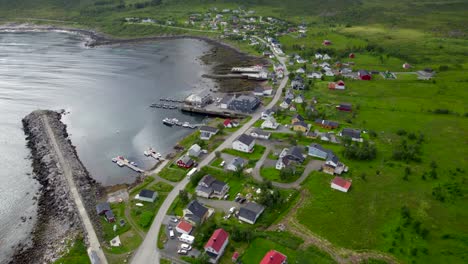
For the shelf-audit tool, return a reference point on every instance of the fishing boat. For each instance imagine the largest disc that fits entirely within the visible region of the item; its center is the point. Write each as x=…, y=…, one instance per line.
x=168, y=122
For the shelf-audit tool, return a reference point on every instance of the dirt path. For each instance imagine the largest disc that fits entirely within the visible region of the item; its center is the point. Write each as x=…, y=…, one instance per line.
x=340, y=255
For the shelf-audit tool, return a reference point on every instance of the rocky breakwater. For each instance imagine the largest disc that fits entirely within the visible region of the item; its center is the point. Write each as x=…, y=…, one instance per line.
x=58, y=221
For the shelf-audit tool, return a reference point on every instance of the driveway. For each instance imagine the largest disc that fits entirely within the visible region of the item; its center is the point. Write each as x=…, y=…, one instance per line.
x=219, y=205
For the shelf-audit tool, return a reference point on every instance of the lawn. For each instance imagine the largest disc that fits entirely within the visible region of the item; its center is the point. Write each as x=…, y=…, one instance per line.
x=272, y=174
x=77, y=254
x=161, y=187
x=173, y=173
x=254, y=156
x=119, y=212
x=260, y=246
x=141, y=186
x=143, y=215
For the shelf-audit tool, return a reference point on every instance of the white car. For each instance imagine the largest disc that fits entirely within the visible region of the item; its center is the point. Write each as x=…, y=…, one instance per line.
x=182, y=252
x=171, y=234
x=232, y=210
x=186, y=247
x=222, y=163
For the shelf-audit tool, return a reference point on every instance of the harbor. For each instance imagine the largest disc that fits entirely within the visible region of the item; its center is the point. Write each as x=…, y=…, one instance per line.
x=164, y=106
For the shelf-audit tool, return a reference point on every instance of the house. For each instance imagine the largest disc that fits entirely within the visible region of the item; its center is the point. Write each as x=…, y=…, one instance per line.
x=425, y=74
x=346, y=70
x=298, y=83
x=344, y=107
x=206, y=132
x=286, y=103
x=274, y=257
x=195, y=213
x=324, y=65
x=250, y=212
x=236, y=164
x=258, y=91
x=354, y=134
x=326, y=123
x=326, y=57
x=267, y=90
x=147, y=196
x=351, y=56
x=267, y=113
x=318, y=56
x=244, y=103
x=185, y=162
x=289, y=94
x=329, y=73
x=316, y=150
x=340, y=85
x=109, y=215
x=406, y=66
x=194, y=150
x=340, y=184
x=199, y=100
x=326, y=42
x=314, y=75
x=292, y=108
x=225, y=101
x=364, y=75
x=102, y=208
x=282, y=163
x=209, y=187
x=295, y=154
x=300, y=71
x=333, y=165
x=216, y=245
x=299, y=99
x=301, y=61
x=269, y=123
x=311, y=134
x=297, y=118
x=184, y=227
x=228, y=123
x=258, y=133
x=300, y=126
x=244, y=143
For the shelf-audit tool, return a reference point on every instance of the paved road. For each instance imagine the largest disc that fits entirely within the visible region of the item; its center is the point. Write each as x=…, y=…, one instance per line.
x=68, y=173
x=148, y=251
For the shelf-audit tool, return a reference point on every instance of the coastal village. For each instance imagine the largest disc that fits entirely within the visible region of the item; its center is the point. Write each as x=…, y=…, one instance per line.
x=226, y=187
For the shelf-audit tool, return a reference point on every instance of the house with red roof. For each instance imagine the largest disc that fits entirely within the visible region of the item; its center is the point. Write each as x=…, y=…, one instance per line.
x=184, y=227
x=274, y=257
x=326, y=42
x=340, y=85
x=216, y=245
x=340, y=184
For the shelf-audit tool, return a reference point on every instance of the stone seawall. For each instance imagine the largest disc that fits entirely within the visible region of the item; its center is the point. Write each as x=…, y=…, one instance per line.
x=58, y=222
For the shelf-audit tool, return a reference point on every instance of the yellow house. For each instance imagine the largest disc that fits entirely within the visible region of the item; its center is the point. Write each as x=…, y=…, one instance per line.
x=297, y=118
x=300, y=126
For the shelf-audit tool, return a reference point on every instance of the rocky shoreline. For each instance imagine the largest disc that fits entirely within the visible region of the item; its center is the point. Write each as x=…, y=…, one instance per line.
x=58, y=222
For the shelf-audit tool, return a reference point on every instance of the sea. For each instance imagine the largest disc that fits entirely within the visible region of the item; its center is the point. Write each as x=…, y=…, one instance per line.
x=106, y=93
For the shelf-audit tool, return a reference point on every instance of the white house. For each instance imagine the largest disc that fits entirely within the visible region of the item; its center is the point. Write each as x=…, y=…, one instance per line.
x=194, y=150
x=300, y=71
x=244, y=143
x=258, y=133
x=299, y=99
x=285, y=104
x=267, y=113
x=329, y=73
x=314, y=75
x=269, y=123
x=236, y=164
x=340, y=184
x=326, y=57
x=187, y=238
x=146, y=196
x=318, y=56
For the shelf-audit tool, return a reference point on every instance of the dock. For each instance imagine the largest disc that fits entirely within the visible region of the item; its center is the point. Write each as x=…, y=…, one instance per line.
x=150, y=152
x=214, y=113
x=121, y=162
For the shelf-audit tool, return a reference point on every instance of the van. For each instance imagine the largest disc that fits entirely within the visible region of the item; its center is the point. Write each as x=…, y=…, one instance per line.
x=171, y=234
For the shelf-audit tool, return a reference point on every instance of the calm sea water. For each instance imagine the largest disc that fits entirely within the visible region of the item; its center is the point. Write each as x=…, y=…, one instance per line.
x=107, y=90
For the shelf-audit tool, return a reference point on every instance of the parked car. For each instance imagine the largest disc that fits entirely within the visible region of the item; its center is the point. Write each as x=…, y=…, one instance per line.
x=169, y=227
x=185, y=247
x=175, y=220
x=232, y=210
x=182, y=252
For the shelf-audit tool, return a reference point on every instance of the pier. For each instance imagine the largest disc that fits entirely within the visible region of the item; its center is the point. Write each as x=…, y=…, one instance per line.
x=215, y=113
x=150, y=152
x=121, y=162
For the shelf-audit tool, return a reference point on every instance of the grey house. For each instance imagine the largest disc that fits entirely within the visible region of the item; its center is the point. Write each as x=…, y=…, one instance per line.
x=195, y=213
x=251, y=212
x=209, y=187
x=244, y=103
x=354, y=134
x=102, y=208
x=316, y=150
x=147, y=196
x=295, y=154
x=206, y=132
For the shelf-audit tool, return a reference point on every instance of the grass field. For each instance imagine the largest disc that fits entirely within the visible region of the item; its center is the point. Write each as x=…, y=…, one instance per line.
x=173, y=174
x=254, y=156
x=77, y=254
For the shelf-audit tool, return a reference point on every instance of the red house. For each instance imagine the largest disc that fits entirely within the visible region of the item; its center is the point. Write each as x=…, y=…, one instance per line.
x=340, y=85
x=326, y=42
x=340, y=184
x=185, y=162
x=217, y=244
x=274, y=257
x=364, y=75
x=351, y=56
x=344, y=107
x=184, y=227
x=227, y=123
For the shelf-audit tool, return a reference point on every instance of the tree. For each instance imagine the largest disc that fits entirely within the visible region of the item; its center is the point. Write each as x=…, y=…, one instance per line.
x=286, y=173
x=217, y=154
x=183, y=196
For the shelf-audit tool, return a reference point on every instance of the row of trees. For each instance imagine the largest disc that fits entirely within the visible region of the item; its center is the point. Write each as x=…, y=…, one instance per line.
x=357, y=151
